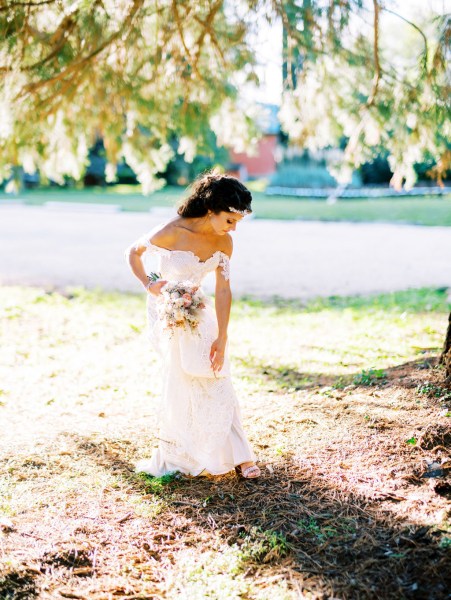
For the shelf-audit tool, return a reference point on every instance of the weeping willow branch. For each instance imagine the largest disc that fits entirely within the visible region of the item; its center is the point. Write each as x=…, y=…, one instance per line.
x=57, y=40
x=420, y=31
x=377, y=65
x=354, y=139
x=206, y=28
x=167, y=66
x=76, y=66
x=180, y=29
x=26, y=4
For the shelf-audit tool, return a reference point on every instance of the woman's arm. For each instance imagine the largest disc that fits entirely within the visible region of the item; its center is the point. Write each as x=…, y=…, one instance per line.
x=133, y=257
x=223, y=303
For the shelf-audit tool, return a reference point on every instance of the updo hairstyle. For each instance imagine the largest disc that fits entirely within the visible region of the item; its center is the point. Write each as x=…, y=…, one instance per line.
x=215, y=192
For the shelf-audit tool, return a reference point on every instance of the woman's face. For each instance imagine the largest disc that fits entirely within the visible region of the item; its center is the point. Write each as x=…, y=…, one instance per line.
x=224, y=222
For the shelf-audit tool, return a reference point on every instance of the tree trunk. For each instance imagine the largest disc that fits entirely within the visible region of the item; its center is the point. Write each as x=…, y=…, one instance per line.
x=445, y=358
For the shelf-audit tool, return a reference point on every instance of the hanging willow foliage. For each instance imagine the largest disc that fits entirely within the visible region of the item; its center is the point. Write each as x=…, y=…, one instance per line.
x=137, y=73
x=141, y=73
x=351, y=83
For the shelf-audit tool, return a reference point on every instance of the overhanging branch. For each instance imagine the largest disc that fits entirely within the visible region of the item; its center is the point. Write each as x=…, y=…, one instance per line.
x=377, y=65
x=32, y=87
x=26, y=4
x=420, y=31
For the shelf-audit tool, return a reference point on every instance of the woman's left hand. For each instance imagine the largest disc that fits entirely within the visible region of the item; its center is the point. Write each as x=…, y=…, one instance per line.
x=217, y=354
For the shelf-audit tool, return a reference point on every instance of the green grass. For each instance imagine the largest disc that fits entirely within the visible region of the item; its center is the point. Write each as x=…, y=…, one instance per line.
x=418, y=211
x=328, y=340
x=128, y=197
x=416, y=300
x=312, y=528
x=370, y=377
x=336, y=341
x=421, y=211
x=263, y=546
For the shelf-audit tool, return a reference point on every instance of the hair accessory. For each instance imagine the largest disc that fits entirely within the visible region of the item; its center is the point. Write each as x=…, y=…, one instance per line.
x=239, y=212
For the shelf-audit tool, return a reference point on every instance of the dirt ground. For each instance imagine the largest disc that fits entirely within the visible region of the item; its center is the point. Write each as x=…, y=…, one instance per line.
x=354, y=509
x=354, y=498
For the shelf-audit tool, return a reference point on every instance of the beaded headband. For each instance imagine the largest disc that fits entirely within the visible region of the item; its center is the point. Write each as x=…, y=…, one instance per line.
x=243, y=213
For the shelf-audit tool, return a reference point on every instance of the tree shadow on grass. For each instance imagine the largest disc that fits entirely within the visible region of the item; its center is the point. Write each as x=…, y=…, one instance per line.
x=292, y=524
x=18, y=583
x=285, y=378
x=299, y=527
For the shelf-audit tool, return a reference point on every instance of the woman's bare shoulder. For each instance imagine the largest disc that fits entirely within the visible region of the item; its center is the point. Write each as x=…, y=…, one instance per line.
x=226, y=245
x=165, y=234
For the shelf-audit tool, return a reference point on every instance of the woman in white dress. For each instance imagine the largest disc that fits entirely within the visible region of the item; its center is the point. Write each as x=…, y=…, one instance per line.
x=200, y=429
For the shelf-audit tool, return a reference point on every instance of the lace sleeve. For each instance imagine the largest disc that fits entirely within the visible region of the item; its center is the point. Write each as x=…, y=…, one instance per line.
x=224, y=262
x=142, y=241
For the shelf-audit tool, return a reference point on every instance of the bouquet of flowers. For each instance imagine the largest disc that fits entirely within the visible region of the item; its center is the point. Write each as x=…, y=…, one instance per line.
x=180, y=305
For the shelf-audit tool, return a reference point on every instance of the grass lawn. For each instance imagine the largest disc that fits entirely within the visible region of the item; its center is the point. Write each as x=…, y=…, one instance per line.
x=343, y=402
x=421, y=211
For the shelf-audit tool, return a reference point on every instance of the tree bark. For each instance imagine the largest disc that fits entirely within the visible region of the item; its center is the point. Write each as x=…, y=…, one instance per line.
x=445, y=358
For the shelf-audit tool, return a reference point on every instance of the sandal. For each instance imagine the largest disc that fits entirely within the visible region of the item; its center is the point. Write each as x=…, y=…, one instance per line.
x=251, y=472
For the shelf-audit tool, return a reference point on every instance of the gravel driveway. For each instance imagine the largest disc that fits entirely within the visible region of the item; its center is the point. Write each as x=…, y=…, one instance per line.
x=70, y=246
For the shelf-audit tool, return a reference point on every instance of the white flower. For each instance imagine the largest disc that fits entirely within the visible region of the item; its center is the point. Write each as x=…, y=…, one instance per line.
x=187, y=146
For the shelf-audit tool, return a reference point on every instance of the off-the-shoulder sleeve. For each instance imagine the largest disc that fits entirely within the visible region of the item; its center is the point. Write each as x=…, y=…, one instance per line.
x=144, y=240
x=224, y=262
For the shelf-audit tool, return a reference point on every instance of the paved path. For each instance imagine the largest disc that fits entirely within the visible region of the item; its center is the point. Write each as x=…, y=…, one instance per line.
x=56, y=248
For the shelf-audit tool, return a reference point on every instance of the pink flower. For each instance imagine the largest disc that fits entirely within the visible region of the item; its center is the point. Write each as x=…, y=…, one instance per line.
x=187, y=299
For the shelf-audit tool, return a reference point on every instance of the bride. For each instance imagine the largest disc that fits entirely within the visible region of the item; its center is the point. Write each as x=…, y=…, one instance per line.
x=200, y=429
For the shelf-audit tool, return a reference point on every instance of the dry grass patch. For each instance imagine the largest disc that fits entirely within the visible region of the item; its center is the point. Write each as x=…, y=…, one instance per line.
x=343, y=402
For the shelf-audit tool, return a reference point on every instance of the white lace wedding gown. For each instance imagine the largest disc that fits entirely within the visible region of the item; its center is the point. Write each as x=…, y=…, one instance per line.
x=199, y=420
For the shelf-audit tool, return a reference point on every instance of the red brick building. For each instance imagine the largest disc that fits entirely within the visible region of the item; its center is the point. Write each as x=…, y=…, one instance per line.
x=263, y=163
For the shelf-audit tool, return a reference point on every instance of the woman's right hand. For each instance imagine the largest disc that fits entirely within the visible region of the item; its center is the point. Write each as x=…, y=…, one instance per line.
x=154, y=288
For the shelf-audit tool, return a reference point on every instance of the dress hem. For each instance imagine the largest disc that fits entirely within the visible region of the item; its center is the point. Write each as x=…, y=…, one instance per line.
x=203, y=473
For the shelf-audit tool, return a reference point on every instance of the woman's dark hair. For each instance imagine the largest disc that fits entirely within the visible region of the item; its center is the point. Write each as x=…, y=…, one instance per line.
x=215, y=192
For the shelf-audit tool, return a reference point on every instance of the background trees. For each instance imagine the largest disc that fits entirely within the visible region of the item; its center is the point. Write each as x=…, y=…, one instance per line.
x=136, y=73
x=363, y=75
x=143, y=73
